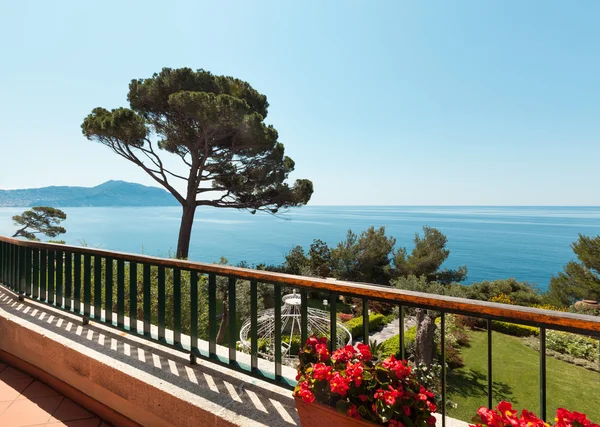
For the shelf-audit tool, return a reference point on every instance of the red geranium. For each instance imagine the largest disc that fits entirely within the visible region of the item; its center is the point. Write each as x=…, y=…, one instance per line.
x=506, y=416
x=384, y=392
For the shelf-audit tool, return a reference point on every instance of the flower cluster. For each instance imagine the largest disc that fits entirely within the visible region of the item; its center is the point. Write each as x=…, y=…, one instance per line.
x=506, y=416
x=385, y=392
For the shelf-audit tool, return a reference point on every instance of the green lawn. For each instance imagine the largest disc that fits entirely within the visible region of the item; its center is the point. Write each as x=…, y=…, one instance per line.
x=516, y=379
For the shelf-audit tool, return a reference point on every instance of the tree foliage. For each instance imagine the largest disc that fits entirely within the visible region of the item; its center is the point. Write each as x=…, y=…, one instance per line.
x=579, y=279
x=364, y=258
x=426, y=258
x=215, y=126
x=39, y=220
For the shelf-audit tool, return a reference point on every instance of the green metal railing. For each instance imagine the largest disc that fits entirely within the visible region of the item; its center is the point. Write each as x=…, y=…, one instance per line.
x=167, y=299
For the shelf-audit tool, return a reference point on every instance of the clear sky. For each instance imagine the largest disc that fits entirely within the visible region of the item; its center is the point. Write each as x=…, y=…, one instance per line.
x=404, y=103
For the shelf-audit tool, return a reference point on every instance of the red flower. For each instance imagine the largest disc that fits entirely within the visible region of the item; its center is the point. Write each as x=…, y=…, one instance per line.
x=365, y=352
x=388, y=396
x=395, y=423
x=431, y=420
x=400, y=367
x=321, y=372
x=490, y=417
x=323, y=352
x=506, y=409
x=305, y=393
x=312, y=341
x=355, y=371
x=339, y=384
x=565, y=418
x=344, y=354
x=406, y=410
x=353, y=411
x=363, y=397
x=430, y=406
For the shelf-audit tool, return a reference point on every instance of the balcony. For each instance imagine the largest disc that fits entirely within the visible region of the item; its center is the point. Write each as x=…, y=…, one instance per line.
x=140, y=340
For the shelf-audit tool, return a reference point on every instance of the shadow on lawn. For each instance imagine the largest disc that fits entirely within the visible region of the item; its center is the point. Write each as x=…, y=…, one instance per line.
x=470, y=383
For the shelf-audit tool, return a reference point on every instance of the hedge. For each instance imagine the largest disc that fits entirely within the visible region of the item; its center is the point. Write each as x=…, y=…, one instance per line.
x=355, y=326
x=514, y=329
x=392, y=345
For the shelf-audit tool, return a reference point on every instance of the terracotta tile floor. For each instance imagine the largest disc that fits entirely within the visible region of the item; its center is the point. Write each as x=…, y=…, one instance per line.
x=25, y=401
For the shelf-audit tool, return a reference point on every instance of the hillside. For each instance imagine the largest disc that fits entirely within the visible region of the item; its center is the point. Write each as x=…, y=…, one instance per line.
x=111, y=193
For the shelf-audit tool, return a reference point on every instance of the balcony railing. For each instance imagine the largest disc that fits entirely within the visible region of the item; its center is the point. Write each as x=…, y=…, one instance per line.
x=147, y=296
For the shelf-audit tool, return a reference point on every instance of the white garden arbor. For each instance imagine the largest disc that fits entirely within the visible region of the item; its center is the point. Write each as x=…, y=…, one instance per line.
x=318, y=323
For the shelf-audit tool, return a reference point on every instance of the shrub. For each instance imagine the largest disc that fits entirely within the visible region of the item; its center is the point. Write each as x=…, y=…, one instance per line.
x=392, y=345
x=514, y=329
x=345, y=317
x=501, y=298
x=453, y=357
x=468, y=322
x=355, y=326
x=575, y=345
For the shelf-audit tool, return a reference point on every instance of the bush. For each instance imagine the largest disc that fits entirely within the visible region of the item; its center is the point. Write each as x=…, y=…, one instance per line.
x=392, y=345
x=345, y=317
x=575, y=345
x=355, y=326
x=453, y=357
x=514, y=329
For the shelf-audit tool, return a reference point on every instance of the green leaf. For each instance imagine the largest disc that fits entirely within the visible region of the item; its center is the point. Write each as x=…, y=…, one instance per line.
x=342, y=406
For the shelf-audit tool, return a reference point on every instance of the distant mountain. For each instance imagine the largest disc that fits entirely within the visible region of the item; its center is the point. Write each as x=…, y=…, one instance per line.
x=111, y=193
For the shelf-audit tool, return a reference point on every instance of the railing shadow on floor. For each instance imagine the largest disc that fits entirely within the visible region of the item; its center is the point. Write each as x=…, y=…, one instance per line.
x=204, y=380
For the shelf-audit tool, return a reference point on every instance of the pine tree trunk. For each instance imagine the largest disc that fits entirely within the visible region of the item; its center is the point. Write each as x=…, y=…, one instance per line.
x=424, y=343
x=185, y=231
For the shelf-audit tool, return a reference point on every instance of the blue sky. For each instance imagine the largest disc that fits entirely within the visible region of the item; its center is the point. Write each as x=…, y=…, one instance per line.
x=385, y=103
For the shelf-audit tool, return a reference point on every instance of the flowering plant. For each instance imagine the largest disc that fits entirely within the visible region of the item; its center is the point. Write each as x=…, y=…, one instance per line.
x=384, y=392
x=506, y=416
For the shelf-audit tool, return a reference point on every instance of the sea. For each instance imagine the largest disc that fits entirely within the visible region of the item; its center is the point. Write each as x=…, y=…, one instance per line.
x=526, y=243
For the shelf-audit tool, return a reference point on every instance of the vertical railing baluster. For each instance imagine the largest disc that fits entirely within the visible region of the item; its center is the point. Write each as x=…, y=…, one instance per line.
x=176, y=306
x=2, y=262
x=68, y=280
x=51, y=268
x=97, y=287
x=489, y=363
x=59, y=278
x=401, y=332
x=278, y=321
x=43, y=274
x=232, y=313
x=212, y=314
x=108, y=290
x=161, y=303
x=303, y=316
x=120, y=293
x=9, y=277
x=14, y=266
x=194, y=312
x=133, y=293
x=443, y=345
x=87, y=284
x=77, y=282
x=543, y=373
x=365, y=312
x=28, y=271
x=333, y=322
x=35, y=291
x=22, y=269
x=147, y=302
x=253, y=325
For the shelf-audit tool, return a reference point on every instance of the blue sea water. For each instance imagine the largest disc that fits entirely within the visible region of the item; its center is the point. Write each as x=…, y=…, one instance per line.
x=527, y=243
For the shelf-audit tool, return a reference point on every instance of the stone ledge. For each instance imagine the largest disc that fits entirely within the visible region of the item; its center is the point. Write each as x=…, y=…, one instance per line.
x=150, y=384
